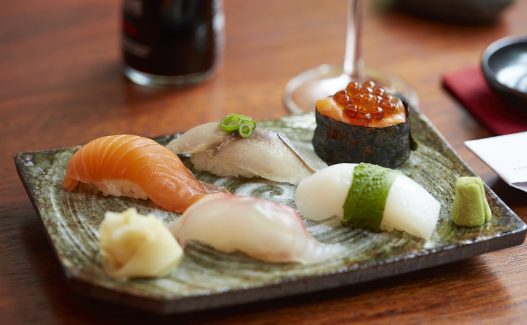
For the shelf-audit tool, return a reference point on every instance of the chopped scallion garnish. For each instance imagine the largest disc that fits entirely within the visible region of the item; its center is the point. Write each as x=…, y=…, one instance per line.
x=238, y=122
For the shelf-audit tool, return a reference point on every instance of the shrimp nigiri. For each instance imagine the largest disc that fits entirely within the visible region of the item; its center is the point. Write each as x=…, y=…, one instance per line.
x=265, y=230
x=133, y=166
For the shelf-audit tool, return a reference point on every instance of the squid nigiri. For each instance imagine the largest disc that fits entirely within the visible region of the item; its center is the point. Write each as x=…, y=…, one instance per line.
x=137, y=167
x=263, y=154
x=368, y=196
x=262, y=229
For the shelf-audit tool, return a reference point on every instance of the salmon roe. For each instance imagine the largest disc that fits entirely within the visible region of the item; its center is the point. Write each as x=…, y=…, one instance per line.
x=366, y=103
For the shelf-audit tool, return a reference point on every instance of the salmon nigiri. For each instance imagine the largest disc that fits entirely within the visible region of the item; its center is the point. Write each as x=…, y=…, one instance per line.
x=133, y=166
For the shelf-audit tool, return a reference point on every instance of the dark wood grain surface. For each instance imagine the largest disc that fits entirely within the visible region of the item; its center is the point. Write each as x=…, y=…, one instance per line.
x=61, y=85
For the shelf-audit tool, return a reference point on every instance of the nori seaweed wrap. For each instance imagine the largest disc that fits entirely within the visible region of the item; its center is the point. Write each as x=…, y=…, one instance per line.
x=340, y=142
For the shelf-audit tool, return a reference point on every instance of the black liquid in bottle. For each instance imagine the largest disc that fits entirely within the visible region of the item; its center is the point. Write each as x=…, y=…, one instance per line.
x=171, y=42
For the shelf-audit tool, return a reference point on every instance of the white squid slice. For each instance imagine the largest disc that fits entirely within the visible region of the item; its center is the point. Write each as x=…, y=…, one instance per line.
x=409, y=207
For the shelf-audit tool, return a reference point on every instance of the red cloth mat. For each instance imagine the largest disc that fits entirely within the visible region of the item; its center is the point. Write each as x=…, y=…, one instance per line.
x=469, y=87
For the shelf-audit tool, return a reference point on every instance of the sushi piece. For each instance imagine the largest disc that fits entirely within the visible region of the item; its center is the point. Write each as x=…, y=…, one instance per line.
x=133, y=245
x=362, y=123
x=263, y=154
x=137, y=167
x=368, y=196
x=265, y=230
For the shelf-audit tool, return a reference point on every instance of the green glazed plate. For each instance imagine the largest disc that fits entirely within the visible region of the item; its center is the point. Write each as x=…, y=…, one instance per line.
x=207, y=278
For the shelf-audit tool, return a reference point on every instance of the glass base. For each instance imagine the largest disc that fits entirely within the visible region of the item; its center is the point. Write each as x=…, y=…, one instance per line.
x=302, y=92
x=151, y=80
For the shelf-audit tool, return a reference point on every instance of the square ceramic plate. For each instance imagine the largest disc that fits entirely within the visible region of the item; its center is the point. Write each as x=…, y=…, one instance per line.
x=207, y=278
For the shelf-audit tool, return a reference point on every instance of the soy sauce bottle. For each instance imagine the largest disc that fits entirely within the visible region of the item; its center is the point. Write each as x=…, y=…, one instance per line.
x=171, y=42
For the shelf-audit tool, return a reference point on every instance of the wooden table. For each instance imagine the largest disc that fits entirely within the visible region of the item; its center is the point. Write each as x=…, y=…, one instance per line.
x=61, y=85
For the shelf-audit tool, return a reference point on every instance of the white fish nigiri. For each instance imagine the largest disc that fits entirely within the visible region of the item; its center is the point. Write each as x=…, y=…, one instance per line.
x=263, y=154
x=408, y=207
x=265, y=230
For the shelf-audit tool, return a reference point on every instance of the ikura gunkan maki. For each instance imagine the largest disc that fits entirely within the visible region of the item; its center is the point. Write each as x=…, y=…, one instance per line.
x=362, y=123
